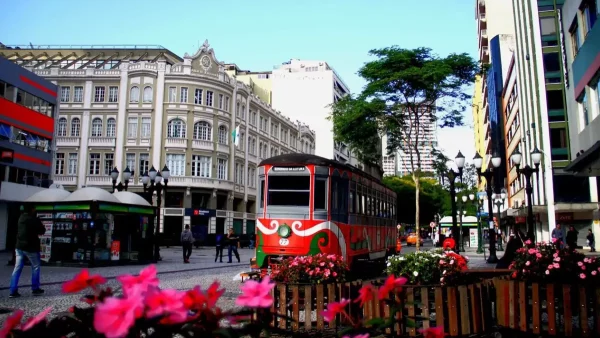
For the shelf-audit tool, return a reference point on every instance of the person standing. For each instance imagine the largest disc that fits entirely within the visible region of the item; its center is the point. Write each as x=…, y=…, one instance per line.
x=558, y=235
x=591, y=240
x=29, y=229
x=187, y=240
x=219, y=246
x=572, y=238
x=232, y=240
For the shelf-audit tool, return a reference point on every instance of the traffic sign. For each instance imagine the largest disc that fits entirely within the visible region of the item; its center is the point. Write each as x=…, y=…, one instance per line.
x=432, y=224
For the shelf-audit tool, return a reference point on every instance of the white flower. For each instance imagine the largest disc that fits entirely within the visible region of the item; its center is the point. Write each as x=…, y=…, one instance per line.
x=415, y=273
x=444, y=272
x=389, y=264
x=451, y=261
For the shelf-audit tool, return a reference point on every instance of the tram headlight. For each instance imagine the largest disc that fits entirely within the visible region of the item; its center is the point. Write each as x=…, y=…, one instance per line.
x=284, y=231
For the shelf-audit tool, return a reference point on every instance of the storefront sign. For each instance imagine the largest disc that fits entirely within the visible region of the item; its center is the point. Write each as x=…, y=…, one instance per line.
x=6, y=155
x=115, y=251
x=473, y=237
x=564, y=217
x=289, y=169
x=520, y=219
x=200, y=212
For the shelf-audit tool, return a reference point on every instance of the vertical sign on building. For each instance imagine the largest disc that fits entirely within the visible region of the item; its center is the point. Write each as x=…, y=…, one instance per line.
x=562, y=48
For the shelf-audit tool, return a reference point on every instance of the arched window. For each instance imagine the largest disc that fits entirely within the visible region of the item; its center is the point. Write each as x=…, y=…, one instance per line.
x=223, y=135
x=62, y=127
x=147, y=94
x=134, y=94
x=176, y=128
x=111, y=127
x=202, y=131
x=97, y=127
x=75, y=127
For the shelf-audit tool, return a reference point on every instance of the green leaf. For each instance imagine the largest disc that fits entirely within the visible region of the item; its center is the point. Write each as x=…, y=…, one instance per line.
x=375, y=322
x=411, y=323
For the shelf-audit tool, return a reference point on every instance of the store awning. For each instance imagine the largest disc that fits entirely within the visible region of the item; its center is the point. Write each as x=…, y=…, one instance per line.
x=587, y=163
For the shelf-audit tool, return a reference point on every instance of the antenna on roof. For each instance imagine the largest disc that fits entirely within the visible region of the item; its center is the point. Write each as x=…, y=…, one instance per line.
x=31, y=45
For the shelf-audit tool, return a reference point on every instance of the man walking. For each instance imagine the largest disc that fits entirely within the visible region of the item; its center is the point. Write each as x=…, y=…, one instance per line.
x=187, y=240
x=219, y=246
x=29, y=229
x=233, y=245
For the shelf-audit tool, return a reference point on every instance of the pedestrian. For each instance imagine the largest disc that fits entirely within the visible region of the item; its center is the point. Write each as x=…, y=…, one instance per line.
x=29, y=228
x=233, y=242
x=591, y=240
x=572, y=238
x=187, y=240
x=219, y=247
x=512, y=246
x=558, y=235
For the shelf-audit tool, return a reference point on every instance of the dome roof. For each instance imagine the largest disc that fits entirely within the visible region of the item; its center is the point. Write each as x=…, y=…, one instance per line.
x=91, y=194
x=49, y=195
x=127, y=197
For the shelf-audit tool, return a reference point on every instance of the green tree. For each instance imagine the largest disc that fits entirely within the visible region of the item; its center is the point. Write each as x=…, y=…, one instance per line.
x=406, y=91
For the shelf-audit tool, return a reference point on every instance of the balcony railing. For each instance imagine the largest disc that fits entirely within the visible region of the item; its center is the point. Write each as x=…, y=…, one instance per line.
x=100, y=180
x=102, y=141
x=67, y=141
x=174, y=142
x=203, y=145
x=200, y=182
x=65, y=179
x=484, y=33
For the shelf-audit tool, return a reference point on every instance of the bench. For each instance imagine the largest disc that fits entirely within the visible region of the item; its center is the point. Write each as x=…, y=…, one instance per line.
x=250, y=275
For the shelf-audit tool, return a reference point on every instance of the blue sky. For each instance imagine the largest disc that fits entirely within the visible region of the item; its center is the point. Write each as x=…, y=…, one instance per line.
x=256, y=35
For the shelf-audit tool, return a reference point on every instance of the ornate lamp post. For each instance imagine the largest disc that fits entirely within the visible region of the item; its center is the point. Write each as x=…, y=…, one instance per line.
x=114, y=174
x=452, y=175
x=488, y=175
x=156, y=184
x=527, y=171
x=479, y=228
x=499, y=200
x=127, y=176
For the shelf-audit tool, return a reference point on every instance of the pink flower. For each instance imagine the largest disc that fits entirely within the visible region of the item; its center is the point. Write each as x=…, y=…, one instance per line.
x=82, y=281
x=146, y=279
x=37, y=319
x=580, y=263
x=557, y=259
x=256, y=294
x=528, y=242
x=528, y=263
x=538, y=255
x=11, y=323
x=366, y=335
x=547, y=272
x=582, y=275
x=390, y=284
x=115, y=316
x=442, y=262
x=433, y=332
x=550, y=267
x=334, y=308
x=594, y=273
x=365, y=295
x=165, y=303
x=556, y=265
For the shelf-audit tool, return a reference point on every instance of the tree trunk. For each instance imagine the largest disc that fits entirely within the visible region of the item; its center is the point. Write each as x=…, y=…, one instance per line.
x=417, y=188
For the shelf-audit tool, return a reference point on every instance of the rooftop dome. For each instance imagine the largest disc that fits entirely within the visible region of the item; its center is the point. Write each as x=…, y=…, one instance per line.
x=91, y=194
x=49, y=195
x=127, y=197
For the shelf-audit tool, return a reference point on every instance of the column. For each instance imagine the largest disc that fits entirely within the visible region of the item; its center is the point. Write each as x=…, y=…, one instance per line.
x=157, y=137
x=247, y=137
x=232, y=112
x=121, y=125
x=88, y=92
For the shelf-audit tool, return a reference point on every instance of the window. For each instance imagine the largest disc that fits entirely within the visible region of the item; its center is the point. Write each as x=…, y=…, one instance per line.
x=59, y=164
x=99, y=94
x=243, y=112
x=97, y=127
x=75, y=127
x=198, y=96
x=547, y=26
x=148, y=94
x=585, y=110
x=78, y=94
x=289, y=190
x=209, y=98
x=113, y=94
x=172, y=94
x=554, y=99
x=558, y=138
x=551, y=62
x=176, y=163
x=183, y=95
x=575, y=38
x=94, y=164
x=227, y=103
x=237, y=110
x=588, y=17
x=220, y=101
x=176, y=128
x=132, y=127
x=202, y=131
x=221, y=169
x=73, y=159
x=144, y=163
x=201, y=166
x=109, y=161
x=111, y=127
x=223, y=135
x=146, y=127
x=320, y=193
x=65, y=94
x=130, y=161
x=134, y=94
x=62, y=127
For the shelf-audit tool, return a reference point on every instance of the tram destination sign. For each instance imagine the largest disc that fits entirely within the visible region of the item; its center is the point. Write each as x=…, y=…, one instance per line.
x=289, y=169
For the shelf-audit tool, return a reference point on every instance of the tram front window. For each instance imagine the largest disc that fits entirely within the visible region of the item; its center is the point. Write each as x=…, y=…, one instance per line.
x=289, y=191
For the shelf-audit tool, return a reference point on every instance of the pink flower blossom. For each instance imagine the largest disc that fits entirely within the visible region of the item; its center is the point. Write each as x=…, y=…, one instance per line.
x=389, y=285
x=547, y=272
x=528, y=263
x=528, y=242
x=433, y=332
x=582, y=275
x=11, y=323
x=550, y=267
x=556, y=265
x=115, y=316
x=37, y=319
x=165, y=303
x=580, y=263
x=594, y=273
x=366, y=335
x=334, y=308
x=145, y=280
x=256, y=294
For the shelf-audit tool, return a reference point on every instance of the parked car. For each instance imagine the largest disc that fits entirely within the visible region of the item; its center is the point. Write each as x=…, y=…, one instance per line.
x=412, y=240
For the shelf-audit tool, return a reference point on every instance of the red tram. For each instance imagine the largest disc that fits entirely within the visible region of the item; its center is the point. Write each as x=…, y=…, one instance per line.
x=309, y=205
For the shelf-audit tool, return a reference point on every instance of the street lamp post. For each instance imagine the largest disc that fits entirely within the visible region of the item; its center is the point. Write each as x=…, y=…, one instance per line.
x=452, y=175
x=488, y=174
x=114, y=174
x=479, y=228
x=499, y=200
x=527, y=171
x=462, y=212
x=126, y=176
x=156, y=184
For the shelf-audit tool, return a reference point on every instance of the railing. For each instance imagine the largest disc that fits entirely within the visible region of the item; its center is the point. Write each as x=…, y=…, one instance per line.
x=102, y=141
x=67, y=141
x=176, y=142
x=200, y=182
x=65, y=179
x=92, y=180
x=201, y=144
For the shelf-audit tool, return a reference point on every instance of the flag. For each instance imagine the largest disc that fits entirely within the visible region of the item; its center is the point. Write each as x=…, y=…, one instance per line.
x=236, y=136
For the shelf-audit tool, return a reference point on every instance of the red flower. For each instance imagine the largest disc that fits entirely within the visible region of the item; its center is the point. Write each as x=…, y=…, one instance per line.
x=11, y=323
x=390, y=284
x=164, y=302
x=194, y=299
x=433, y=332
x=365, y=295
x=141, y=283
x=333, y=309
x=213, y=294
x=36, y=320
x=82, y=281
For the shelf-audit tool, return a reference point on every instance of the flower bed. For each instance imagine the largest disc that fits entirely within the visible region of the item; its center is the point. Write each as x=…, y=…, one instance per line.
x=317, y=269
x=438, y=266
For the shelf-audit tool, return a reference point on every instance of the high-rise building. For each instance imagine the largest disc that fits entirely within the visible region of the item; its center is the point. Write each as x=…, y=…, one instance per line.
x=139, y=107
x=27, y=120
x=425, y=137
x=581, y=32
x=558, y=196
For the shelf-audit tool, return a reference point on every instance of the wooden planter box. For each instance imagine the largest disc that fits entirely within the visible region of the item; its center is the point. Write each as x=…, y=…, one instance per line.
x=552, y=309
x=462, y=310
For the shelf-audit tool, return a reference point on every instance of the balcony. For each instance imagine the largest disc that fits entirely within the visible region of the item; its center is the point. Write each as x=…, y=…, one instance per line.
x=484, y=54
x=203, y=145
x=239, y=153
x=67, y=141
x=174, y=142
x=482, y=17
x=102, y=142
x=200, y=182
x=483, y=33
x=100, y=180
x=65, y=179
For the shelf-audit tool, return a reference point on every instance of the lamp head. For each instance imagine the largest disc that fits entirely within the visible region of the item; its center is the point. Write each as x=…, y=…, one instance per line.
x=478, y=160
x=166, y=173
x=460, y=160
x=496, y=160
x=114, y=174
x=471, y=196
x=464, y=198
x=152, y=173
x=536, y=156
x=481, y=197
x=516, y=157
x=494, y=196
x=126, y=174
x=157, y=178
x=503, y=193
x=145, y=179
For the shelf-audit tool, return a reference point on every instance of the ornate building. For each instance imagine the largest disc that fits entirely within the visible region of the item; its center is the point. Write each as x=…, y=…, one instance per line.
x=143, y=106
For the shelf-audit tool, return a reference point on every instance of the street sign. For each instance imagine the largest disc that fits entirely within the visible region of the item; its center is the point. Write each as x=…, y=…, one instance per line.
x=432, y=224
x=482, y=214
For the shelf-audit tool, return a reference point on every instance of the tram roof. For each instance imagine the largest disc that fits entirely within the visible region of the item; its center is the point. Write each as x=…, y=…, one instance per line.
x=309, y=159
